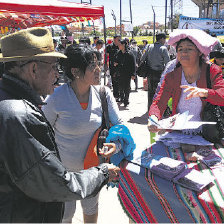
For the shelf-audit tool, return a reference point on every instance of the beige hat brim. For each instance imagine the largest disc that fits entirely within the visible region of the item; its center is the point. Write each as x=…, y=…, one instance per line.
x=20, y=58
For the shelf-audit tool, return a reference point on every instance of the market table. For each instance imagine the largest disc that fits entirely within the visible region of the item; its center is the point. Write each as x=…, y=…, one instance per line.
x=148, y=198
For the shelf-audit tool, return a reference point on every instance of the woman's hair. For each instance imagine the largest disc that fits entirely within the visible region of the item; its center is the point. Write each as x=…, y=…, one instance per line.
x=77, y=57
x=124, y=41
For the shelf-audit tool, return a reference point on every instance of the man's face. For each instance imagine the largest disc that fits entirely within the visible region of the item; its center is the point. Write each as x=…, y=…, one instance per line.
x=219, y=61
x=117, y=41
x=121, y=46
x=163, y=41
x=96, y=40
x=99, y=46
x=64, y=42
x=46, y=76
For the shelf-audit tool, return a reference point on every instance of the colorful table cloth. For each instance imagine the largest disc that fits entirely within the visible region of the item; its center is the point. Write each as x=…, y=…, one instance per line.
x=147, y=198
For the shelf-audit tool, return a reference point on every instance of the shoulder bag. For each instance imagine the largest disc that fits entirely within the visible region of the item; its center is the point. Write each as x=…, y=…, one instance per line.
x=92, y=157
x=213, y=113
x=105, y=120
x=143, y=69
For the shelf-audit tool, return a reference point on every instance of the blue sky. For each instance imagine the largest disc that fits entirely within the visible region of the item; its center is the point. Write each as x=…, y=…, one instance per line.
x=142, y=10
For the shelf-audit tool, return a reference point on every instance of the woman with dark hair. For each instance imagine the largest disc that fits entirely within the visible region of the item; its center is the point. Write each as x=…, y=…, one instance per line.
x=125, y=63
x=75, y=112
x=186, y=84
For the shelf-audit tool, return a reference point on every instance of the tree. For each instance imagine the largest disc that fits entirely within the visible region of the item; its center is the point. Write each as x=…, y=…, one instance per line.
x=146, y=33
x=136, y=30
x=97, y=33
x=109, y=33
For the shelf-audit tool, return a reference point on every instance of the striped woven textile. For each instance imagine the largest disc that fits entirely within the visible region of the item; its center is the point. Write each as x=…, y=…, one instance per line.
x=147, y=198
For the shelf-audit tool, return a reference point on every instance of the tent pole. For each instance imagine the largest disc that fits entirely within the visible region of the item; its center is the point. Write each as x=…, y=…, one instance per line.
x=105, y=55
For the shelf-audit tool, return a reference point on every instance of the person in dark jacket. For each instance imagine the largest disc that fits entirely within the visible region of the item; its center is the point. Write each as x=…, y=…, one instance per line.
x=137, y=54
x=111, y=52
x=33, y=182
x=125, y=63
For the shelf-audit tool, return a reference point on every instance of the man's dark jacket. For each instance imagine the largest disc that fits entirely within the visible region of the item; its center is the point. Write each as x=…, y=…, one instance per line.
x=112, y=50
x=126, y=64
x=33, y=182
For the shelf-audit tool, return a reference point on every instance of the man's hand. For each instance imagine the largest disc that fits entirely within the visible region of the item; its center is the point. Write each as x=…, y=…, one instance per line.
x=194, y=91
x=113, y=172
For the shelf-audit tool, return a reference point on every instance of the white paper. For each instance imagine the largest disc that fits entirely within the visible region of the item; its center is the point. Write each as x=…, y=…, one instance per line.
x=181, y=122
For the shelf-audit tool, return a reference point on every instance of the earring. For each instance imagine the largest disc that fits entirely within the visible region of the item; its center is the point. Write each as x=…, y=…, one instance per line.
x=77, y=76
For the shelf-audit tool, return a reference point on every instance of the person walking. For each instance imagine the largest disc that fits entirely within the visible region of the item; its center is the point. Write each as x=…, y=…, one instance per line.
x=111, y=52
x=219, y=59
x=34, y=184
x=125, y=63
x=137, y=54
x=157, y=57
x=217, y=47
x=95, y=39
x=145, y=46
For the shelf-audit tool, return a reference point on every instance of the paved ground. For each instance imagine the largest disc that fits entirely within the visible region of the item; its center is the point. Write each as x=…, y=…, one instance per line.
x=135, y=117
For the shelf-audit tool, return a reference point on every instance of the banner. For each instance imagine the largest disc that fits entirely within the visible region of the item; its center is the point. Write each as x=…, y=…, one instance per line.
x=212, y=25
x=128, y=27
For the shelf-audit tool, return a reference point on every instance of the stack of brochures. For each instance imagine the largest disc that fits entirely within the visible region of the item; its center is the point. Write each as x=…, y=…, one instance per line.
x=176, y=137
x=193, y=179
x=173, y=170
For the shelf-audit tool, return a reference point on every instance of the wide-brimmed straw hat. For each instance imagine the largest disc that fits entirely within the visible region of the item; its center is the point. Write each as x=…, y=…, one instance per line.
x=28, y=44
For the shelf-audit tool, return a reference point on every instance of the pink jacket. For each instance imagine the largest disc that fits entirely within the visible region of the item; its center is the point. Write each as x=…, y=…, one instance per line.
x=171, y=88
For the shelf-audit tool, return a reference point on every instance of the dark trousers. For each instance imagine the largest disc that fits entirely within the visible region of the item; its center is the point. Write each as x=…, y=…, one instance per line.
x=125, y=87
x=115, y=83
x=153, y=80
x=136, y=82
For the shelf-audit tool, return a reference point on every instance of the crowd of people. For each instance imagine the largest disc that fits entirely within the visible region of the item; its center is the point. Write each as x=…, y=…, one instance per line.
x=44, y=143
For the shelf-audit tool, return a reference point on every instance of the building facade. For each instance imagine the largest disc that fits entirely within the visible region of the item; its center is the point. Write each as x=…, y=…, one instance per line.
x=210, y=8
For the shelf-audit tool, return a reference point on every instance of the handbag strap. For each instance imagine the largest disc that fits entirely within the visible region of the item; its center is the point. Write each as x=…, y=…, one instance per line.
x=105, y=118
x=209, y=85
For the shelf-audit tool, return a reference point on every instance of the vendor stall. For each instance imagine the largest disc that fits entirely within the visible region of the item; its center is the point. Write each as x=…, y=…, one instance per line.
x=21, y=14
x=28, y=13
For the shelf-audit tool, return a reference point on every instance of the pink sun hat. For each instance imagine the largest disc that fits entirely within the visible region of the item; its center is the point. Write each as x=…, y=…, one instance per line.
x=201, y=39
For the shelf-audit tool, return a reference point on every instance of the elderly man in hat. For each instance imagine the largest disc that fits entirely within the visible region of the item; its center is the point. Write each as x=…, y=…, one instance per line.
x=33, y=182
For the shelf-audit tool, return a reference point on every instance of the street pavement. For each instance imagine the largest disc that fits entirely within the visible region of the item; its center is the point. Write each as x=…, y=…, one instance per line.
x=135, y=117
